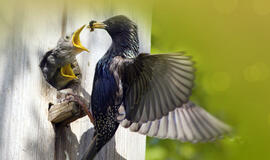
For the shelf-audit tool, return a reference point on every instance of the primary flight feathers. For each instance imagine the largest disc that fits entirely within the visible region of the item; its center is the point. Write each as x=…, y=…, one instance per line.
x=188, y=123
x=154, y=85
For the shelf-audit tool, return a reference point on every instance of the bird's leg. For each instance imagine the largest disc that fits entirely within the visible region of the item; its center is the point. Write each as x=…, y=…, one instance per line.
x=81, y=102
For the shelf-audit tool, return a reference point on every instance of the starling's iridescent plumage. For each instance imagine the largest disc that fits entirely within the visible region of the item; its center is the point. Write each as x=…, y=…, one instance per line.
x=123, y=76
x=148, y=93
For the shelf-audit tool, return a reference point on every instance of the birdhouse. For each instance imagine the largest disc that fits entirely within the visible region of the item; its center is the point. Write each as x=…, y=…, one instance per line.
x=33, y=28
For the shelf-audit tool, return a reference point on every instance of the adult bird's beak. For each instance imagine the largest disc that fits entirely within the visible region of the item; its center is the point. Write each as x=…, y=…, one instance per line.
x=76, y=40
x=67, y=71
x=93, y=24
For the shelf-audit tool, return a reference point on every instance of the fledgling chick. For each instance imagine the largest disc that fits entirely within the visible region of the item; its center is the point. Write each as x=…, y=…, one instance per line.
x=58, y=64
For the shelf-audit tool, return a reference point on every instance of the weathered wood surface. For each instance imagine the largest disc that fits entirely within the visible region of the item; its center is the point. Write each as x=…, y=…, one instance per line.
x=29, y=28
x=65, y=113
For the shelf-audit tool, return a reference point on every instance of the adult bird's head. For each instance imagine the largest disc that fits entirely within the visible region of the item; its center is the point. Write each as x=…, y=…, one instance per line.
x=123, y=32
x=115, y=26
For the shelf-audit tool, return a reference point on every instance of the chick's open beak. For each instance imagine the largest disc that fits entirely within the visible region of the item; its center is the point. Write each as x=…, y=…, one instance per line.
x=93, y=24
x=67, y=71
x=76, y=40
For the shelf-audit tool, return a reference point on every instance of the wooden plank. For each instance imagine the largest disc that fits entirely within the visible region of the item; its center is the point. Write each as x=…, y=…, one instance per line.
x=64, y=113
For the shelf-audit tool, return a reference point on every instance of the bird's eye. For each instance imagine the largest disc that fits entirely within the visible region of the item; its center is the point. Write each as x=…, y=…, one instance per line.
x=67, y=37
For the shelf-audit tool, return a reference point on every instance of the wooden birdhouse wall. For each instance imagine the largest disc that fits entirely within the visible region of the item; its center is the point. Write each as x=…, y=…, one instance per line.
x=29, y=29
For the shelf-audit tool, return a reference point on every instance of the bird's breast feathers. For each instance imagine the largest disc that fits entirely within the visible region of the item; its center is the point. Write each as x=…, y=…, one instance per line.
x=107, y=89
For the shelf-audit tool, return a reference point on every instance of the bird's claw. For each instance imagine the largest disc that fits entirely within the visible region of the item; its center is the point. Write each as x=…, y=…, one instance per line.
x=70, y=97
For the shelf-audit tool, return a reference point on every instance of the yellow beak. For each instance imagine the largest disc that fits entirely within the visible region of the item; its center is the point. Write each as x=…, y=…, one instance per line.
x=66, y=71
x=98, y=25
x=76, y=40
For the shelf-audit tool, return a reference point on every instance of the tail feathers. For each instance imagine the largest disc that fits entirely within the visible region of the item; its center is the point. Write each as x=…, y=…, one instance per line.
x=188, y=123
x=91, y=151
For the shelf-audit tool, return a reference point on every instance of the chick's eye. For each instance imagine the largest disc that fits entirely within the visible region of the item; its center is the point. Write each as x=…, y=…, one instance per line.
x=67, y=37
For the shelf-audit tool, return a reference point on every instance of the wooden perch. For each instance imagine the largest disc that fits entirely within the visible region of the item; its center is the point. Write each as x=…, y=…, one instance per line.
x=65, y=113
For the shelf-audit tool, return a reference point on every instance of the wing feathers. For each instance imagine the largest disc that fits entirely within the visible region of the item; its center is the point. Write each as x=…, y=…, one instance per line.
x=187, y=123
x=171, y=126
x=162, y=81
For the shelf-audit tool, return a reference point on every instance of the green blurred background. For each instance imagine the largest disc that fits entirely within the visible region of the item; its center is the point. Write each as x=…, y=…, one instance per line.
x=229, y=40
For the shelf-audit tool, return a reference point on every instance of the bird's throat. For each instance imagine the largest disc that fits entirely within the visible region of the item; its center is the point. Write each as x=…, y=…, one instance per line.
x=67, y=71
x=125, y=45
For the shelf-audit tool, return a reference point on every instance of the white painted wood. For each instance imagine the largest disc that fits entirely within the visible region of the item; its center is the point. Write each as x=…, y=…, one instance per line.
x=30, y=29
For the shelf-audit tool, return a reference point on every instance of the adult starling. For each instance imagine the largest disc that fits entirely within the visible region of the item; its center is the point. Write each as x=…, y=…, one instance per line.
x=57, y=65
x=148, y=93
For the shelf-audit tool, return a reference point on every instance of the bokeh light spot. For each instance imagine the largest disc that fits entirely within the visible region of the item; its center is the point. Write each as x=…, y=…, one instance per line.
x=261, y=7
x=187, y=151
x=256, y=72
x=225, y=6
x=156, y=153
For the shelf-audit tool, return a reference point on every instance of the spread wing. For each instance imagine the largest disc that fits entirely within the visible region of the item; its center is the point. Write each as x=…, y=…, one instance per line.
x=154, y=85
x=188, y=123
